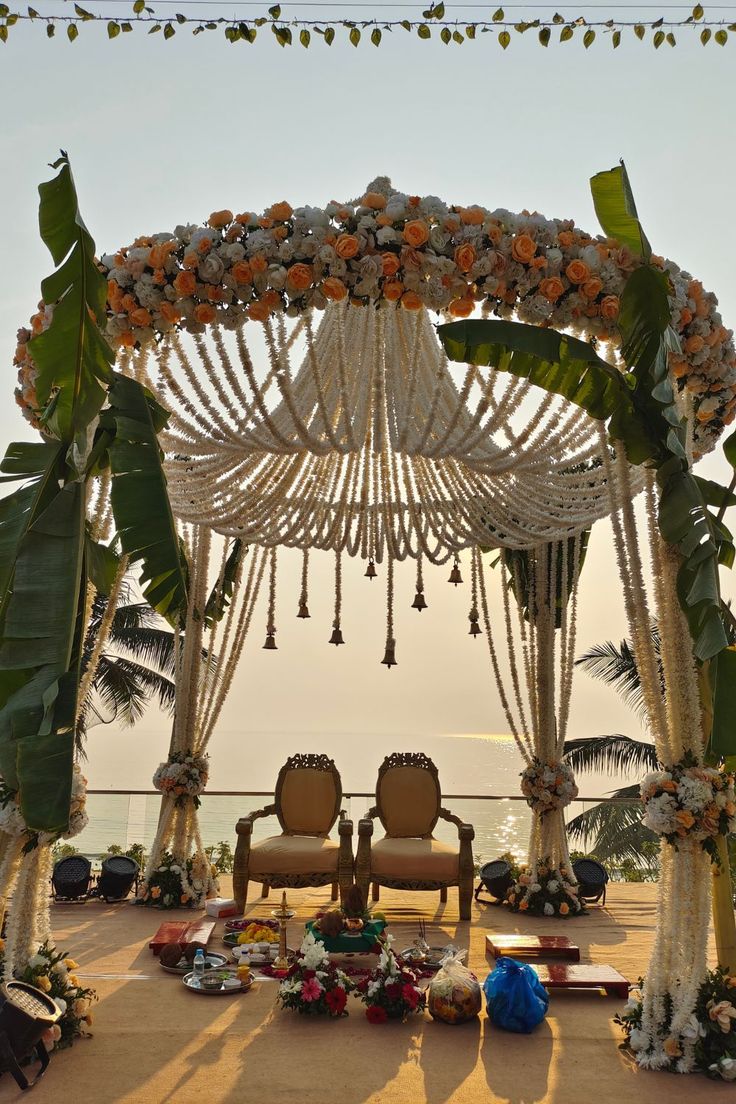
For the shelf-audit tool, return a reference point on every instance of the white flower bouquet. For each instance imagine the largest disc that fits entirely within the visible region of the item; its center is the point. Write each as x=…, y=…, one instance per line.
x=548, y=785
x=690, y=802
x=183, y=776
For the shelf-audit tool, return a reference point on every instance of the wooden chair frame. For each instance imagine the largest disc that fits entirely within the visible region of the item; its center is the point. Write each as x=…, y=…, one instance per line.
x=364, y=875
x=341, y=881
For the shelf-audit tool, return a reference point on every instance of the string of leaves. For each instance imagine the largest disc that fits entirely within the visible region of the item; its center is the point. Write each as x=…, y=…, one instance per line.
x=289, y=32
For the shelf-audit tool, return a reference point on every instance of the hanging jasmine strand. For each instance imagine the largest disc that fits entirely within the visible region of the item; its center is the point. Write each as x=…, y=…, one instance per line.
x=473, y=616
x=419, y=602
x=270, y=644
x=304, y=596
x=337, y=637
x=389, y=657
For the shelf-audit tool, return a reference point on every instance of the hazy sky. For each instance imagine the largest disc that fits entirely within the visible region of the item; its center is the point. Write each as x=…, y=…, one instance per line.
x=161, y=133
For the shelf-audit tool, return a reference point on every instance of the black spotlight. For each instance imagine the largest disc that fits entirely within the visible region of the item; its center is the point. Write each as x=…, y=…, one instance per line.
x=25, y=1013
x=496, y=878
x=116, y=879
x=71, y=878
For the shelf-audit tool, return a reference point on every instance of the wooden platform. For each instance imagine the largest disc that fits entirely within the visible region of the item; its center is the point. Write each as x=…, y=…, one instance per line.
x=532, y=946
x=564, y=975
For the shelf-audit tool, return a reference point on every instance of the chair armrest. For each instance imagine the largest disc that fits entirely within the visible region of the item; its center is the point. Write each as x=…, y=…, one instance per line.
x=244, y=827
x=345, y=827
x=365, y=827
x=464, y=831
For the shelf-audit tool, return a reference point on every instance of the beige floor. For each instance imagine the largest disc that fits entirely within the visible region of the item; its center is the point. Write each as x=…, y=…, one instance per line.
x=154, y=1042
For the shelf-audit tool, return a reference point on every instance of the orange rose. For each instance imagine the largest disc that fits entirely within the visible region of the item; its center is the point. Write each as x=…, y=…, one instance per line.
x=218, y=219
x=281, y=211
x=346, y=246
x=577, y=272
x=244, y=218
x=127, y=340
x=258, y=263
x=416, y=233
x=564, y=908
x=374, y=200
x=259, y=311
x=140, y=317
x=393, y=290
x=159, y=277
x=384, y=220
x=271, y=298
x=300, y=276
x=523, y=248
x=332, y=288
x=694, y=344
x=169, y=311
x=465, y=257
x=565, y=238
x=592, y=288
x=205, y=312
x=391, y=264
x=494, y=232
x=472, y=216
x=185, y=283
x=242, y=273
x=191, y=260
x=205, y=244
x=461, y=308
x=523, y=906
x=685, y=818
x=609, y=307
x=552, y=288
x=159, y=253
x=411, y=301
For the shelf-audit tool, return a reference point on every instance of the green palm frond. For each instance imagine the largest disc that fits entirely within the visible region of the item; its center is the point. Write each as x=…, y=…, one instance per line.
x=616, y=829
x=617, y=667
x=614, y=754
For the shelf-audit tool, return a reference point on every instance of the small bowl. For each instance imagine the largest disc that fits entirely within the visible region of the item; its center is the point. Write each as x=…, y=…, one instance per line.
x=211, y=981
x=263, y=948
x=232, y=983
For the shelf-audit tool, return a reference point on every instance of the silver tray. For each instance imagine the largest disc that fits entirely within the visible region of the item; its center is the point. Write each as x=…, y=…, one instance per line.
x=213, y=960
x=191, y=981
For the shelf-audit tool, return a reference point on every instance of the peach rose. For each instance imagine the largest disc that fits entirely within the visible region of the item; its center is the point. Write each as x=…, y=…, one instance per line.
x=204, y=245
x=242, y=273
x=416, y=233
x=271, y=298
x=465, y=256
x=127, y=340
x=393, y=290
x=565, y=238
x=523, y=906
x=259, y=311
x=244, y=218
x=685, y=818
x=461, y=308
x=140, y=317
x=258, y=263
x=694, y=344
x=552, y=288
x=169, y=311
x=374, y=200
x=609, y=307
x=218, y=219
x=577, y=272
x=494, y=232
x=592, y=288
x=159, y=253
x=523, y=248
x=333, y=288
x=391, y=264
x=346, y=246
x=300, y=276
x=281, y=211
x=411, y=301
x=205, y=312
x=564, y=908
x=472, y=216
x=191, y=260
x=185, y=283
x=384, y=220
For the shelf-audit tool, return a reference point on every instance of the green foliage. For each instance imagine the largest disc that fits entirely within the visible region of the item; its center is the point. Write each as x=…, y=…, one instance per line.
x=221, y=855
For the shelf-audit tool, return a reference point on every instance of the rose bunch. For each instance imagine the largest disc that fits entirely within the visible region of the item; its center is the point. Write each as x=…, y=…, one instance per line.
x=545, y=890
x=390, y=991
x=690, y=802
x=548, y=785
x=314, y=986
x=183, y=776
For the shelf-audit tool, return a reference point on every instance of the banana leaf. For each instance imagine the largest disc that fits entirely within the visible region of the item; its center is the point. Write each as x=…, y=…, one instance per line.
x=222, y=592
x=616, y=210
x=140, y=501
x=723, y=734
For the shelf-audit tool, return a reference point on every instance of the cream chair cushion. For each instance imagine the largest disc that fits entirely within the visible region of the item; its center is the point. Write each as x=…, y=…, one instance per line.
x=308, y=798
x=414, y=860
x=409, y=801
x=293, y=855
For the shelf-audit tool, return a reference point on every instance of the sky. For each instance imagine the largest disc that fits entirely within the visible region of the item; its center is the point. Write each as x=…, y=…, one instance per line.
x=165, y=132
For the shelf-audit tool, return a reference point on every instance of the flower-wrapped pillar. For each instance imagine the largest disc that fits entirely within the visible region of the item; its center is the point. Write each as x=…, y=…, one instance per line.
x=179, y=871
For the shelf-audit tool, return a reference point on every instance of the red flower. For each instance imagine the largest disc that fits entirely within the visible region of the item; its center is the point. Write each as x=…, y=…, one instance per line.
x=336, y=999
x=309, y=974
x=375, y=1014
x=411, y=996
x=393, y=991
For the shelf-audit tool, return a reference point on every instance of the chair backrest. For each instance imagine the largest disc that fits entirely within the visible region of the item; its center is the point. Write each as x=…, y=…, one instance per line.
x=308, y=795
x=408, y=795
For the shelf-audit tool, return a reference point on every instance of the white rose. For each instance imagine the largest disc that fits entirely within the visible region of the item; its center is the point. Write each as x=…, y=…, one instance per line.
x=60, y=1004
x=36, y=960
x=637, y=1039
x=549, y=909
x=211, y=269
x=727, y=1069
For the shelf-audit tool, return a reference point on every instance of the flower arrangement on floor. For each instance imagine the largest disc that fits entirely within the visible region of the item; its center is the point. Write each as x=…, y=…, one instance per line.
x=412, y=250
x=314, y=986
x=183, y=776
x=708, y=1042
x=547, y=890
x=52, y=971
x=690, y=802
x=177, y=884
x=548, y=786
x=390, y=992
x=13, y=823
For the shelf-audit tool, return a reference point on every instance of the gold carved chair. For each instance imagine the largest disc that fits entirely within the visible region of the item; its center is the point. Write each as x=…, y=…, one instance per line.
x=409, y=804
x=307, y=802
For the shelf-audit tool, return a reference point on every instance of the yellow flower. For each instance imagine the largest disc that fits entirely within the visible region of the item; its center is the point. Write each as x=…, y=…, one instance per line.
x=74, y=982
x=43, y=983
x=71, y=964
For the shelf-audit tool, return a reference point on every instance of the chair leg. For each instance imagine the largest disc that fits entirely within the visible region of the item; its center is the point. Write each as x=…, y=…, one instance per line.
x=265, y=890
x=335, y=891
x=443, y=895
x=465, y=899
x=376, y=892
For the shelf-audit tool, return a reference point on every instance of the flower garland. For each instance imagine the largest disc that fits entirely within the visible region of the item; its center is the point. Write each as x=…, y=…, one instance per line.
x=314, y=986
x=548, y=892
x=548, y=785
x=53, y=972
x=13, y=823
x=390, y=991
x=412, y=250
x=710, y=1033
x=183, y=776
x=690, y=802
x=177, y=884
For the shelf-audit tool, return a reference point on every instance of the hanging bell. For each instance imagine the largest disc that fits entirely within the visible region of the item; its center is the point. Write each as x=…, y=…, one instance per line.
x=455, y=576
x=270, y=645
x=389, y=659
x=303, y=609
x=336, y=637
x=475, y=629
x=419, y=602
x=370, y=571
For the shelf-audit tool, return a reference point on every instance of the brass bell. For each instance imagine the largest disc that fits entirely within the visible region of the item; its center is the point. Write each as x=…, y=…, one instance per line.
x=370, y=571
x=270, y=645
x=303, y=610
x=336, y=637
x=455, y=576
x=389, y=659
x=419, y=602
x=475, y=629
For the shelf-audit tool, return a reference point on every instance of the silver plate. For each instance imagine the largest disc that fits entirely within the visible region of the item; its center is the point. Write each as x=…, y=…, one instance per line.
x=213, y=960
x=192, y=983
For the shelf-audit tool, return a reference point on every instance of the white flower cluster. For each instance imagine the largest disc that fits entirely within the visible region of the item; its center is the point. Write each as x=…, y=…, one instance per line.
x=313, y=954
x=689, y=802
x=183, y=775
x=548, y=785
x=13, y=823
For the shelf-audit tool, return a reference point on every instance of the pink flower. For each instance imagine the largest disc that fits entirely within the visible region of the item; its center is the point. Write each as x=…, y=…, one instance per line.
x=311, y=989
